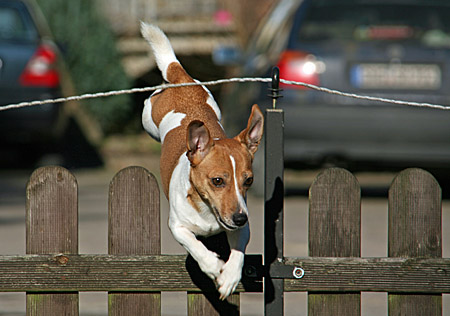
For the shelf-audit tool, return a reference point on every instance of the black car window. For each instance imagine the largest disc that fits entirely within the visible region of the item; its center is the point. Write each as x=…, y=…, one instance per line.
x=14, y=25
x=429, y=24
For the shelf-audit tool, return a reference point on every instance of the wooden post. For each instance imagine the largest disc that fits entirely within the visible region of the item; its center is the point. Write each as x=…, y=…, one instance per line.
x=134, y=229
x=52, y=228
x=415, y=231
x=334, y=231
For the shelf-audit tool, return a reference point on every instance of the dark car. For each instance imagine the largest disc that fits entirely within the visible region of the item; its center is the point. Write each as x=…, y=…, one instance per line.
x=392, y=49
x=30, y=69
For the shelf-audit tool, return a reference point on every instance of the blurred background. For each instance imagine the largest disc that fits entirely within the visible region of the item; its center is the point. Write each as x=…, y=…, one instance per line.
x=52, y=48
x=394, y=49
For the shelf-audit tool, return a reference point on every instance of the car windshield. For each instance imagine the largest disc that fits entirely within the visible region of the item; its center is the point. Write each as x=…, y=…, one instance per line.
x=14, y=26
x=428, y=24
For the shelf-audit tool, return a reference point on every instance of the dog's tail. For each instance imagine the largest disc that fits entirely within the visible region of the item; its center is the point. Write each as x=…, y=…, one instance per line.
x=161, y=47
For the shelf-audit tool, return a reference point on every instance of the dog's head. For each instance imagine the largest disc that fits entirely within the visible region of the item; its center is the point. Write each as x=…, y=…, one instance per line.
x=221, y=170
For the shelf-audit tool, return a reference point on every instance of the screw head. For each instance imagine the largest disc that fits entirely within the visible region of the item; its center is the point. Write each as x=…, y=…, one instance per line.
x=298, y=273
x=250, y=271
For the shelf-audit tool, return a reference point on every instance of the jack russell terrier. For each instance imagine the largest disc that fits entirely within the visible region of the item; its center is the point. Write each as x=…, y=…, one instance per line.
x=204, y=174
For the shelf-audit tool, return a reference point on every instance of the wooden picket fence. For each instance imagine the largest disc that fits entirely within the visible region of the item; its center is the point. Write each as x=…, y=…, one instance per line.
x=134, y=272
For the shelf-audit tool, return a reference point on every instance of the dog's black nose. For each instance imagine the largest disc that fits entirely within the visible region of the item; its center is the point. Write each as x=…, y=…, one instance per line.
x=240, y=218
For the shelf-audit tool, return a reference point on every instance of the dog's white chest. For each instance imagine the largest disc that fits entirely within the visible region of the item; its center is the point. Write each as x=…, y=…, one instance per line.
x=199, y=223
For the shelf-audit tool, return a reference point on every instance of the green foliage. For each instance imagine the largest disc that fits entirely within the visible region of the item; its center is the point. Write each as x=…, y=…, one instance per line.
x=91, y=57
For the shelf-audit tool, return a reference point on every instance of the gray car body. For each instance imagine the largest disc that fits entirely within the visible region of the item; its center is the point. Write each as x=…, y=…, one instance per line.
x=323, y=129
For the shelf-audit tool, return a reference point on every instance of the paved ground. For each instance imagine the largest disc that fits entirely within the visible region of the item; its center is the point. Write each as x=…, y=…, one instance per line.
x=93, y=188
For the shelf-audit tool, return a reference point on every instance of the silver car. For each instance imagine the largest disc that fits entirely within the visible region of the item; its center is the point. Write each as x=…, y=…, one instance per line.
x=391, y=49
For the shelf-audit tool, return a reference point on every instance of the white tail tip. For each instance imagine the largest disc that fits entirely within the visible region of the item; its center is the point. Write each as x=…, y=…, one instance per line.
x=161, y=47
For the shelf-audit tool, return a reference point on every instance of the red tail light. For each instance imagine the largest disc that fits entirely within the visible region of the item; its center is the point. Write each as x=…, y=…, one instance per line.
x=40, y=70
x=301, y=67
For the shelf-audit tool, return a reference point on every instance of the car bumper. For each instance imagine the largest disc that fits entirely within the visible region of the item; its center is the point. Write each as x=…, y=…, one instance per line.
x=29, y=124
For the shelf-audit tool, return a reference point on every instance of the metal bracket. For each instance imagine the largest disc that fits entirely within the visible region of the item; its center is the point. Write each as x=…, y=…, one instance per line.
x=254, y=270
x=281, y=271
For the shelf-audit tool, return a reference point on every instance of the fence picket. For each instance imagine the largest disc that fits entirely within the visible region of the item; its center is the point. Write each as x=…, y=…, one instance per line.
x=134, y=229
x=415, y=231
x=334, y=231
x=51, y=228
x=199, y=305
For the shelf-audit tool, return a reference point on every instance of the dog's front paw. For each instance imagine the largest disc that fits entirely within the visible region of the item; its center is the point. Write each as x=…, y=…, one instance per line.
x=228, y=280
x=211, y=265
x=231, y=274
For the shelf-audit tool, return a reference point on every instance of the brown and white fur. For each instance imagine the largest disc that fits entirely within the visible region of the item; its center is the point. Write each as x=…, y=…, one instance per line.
x=205, y=175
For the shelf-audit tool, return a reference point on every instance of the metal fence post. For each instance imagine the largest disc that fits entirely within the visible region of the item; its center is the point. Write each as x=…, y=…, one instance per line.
x=273, y=202
x=273, y=211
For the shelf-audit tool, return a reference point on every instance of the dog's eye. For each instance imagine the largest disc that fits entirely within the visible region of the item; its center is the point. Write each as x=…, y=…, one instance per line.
x=218, y=182
x=248, y=182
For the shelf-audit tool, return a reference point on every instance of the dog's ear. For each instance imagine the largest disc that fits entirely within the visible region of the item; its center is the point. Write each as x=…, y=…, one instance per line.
x=251, y=136
x=199, y=142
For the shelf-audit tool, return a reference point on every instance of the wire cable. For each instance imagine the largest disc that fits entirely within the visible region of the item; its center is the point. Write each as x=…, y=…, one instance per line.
x=218, y=82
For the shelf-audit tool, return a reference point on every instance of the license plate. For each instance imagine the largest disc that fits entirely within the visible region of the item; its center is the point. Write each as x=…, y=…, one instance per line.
x=396, y=76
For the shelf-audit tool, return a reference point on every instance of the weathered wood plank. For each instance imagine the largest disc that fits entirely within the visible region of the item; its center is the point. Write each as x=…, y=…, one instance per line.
x=198, y=305
x=52, y=227
x=44, y=273
x=430, y=305
x=415, y=208
x=333, y=304
x=168, y=273
x=334, y=231
x=415, y=231
x=405, y=275
x=52, y=304
x=134, y=228
x=133, y=303
x=52, y=212
x=335, y=215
